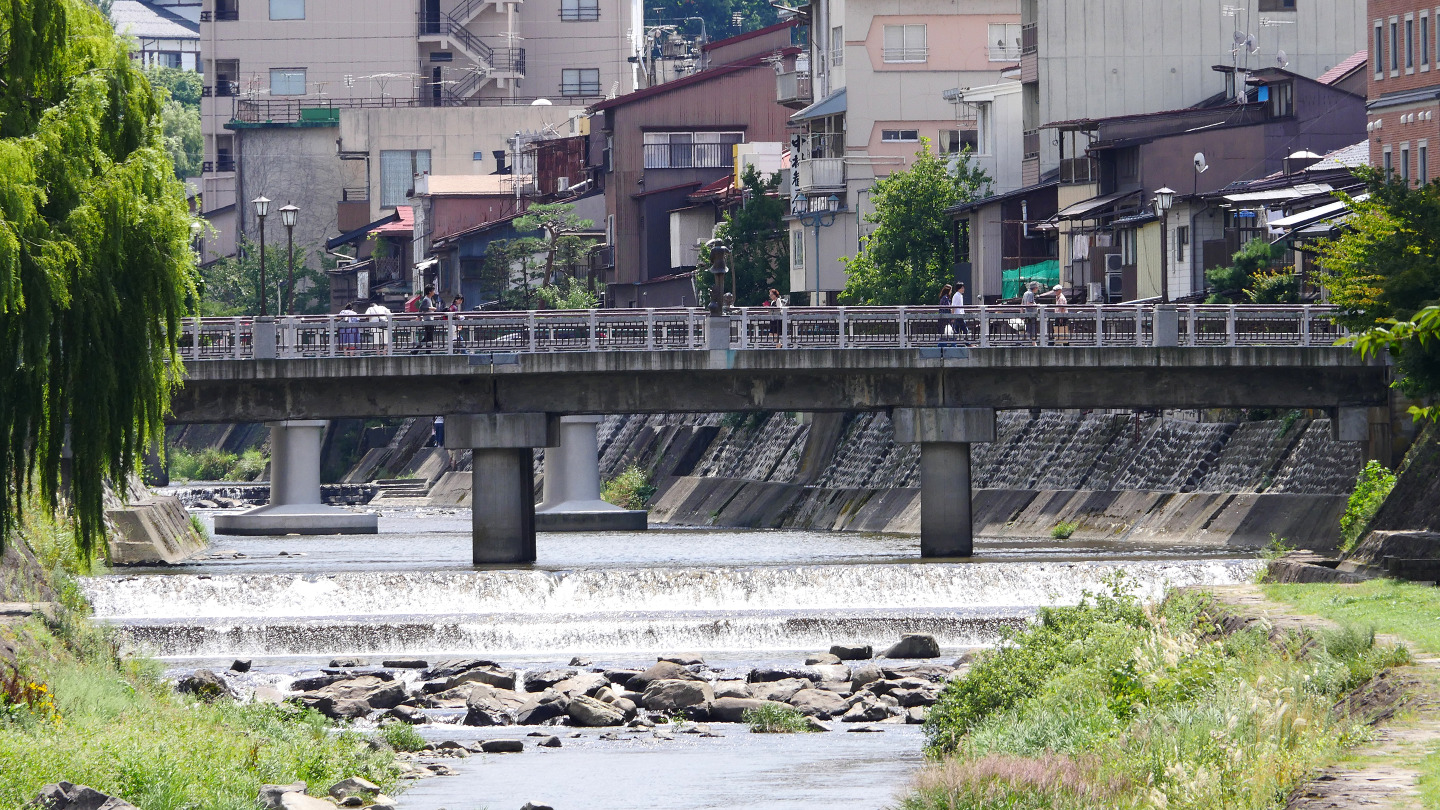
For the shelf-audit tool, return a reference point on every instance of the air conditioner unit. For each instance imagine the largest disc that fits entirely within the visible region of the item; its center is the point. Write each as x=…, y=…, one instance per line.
x=343, y=261
x=562, y=185
x=1113, y=262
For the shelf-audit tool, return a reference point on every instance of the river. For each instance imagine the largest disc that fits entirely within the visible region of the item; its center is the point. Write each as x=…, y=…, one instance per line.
x=739, y=598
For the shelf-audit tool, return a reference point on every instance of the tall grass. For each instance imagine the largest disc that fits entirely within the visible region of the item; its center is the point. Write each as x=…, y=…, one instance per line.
x=1116, y=705
x=631, y=489
x=777, y=720
x=1372, y=486
x=212, y=464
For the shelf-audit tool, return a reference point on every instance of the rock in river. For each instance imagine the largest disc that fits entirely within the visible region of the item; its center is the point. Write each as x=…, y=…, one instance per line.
x=669, y=695
x=915, y=645
x=587, y=711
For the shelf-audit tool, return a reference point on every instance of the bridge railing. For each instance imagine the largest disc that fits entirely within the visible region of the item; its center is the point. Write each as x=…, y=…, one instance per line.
x=758, y=328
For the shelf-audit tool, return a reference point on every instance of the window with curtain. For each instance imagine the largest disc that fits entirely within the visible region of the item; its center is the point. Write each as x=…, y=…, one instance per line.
x=905, y=43
x=398, y=169
x=1004, y=44
x=287, y=81
x=287, y=9
x=687, y=150
x=580, y=82
x=837, y=46
x=579, y=10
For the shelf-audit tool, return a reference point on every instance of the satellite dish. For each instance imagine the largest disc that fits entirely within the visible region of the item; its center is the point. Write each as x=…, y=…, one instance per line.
x=1251, y=46
x=541, y=102
x=1281, y=60
x=1239, y=37
x=1200, y=165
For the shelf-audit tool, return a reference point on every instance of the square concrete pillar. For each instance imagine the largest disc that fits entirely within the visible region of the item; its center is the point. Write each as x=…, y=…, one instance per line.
x=944, y=436
x=1350, y=425
x=923, y=425
x=503, y=479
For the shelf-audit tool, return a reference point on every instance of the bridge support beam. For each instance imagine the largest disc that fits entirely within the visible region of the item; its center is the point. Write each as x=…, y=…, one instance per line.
x=295, y=504
x=572, y=485
x=503, y=496
x=945, y=436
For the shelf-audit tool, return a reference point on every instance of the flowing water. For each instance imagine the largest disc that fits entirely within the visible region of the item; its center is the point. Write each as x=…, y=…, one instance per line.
x=739, y=598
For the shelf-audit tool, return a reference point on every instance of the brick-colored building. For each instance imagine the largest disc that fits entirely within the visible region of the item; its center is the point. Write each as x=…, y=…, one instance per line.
x=1404, y=87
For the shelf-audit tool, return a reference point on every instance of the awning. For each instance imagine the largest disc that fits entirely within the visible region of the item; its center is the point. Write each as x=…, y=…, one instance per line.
x=1093, y=207
x=362, y=232
x=1280, y=194
x=833, y=104
x=1315, y=214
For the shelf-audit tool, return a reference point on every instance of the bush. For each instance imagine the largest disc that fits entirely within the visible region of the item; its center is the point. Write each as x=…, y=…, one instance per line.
x=1371, y=488
x=250, y=466
x=1064, y=529
x=777, y=720
x=401, y=737
x=212, y=464
x=630, y=489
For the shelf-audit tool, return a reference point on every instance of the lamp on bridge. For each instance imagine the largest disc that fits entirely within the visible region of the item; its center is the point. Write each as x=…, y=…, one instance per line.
x=821, y=218
x=719, y=257
x=288, y=215
x=262, y=210
x=1164, y=199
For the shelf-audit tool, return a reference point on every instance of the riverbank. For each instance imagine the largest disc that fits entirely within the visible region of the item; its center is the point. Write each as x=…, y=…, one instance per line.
x=73, y=709
x=1205, y=701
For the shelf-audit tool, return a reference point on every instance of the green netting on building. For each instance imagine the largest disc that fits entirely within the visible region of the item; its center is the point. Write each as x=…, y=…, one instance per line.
x=1013, y=281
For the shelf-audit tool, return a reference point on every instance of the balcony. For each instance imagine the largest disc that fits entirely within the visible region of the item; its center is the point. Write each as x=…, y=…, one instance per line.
x=1032, y=145
x=225, y=163
x=822, y=174
x=602, y=258
x=793, y=89
x=1029, y=38
x=1079, y=171
x=1004, y=53
x=353, y=210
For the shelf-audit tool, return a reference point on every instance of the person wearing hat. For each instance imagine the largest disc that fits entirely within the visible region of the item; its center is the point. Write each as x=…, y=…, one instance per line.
x=1032, y=311
x=1061, y=331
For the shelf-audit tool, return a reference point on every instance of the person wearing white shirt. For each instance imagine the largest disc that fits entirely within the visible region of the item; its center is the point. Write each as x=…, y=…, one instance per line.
x=379, y=315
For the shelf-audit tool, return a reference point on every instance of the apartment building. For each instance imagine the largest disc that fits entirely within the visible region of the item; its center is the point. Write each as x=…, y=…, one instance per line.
x=159, y=34
x=879, y=72
x=338, y=101
x=1404, y=88
x=1092, y=59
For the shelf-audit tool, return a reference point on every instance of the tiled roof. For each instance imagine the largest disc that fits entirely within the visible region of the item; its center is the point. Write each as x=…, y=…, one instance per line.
x=1347, y=158
x=404, y=225
x=1338, y=72
x=138, y=19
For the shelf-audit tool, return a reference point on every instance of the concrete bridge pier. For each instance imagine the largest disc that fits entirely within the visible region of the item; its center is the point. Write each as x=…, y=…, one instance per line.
x=295, y=504
x=944, y=436
x=503, y=497
x=571, y=501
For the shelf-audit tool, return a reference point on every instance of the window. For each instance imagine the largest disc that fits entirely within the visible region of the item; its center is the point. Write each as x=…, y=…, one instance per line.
x=953, y=141
x=1127, y=164
x=1424, y=42
x=227, y=77
x=579, y=10
x=899, y=135
x=287, y=9
x=837, y=46
x=168, y=59
x=1409, y=44
x=1282, y=99
x=224, y=153
x=1127, y=247
x=1378, y=57
x=1405, y=162
x=1004, y=43
x=1386, y=163
x=1394, y=47
x=287, y=81
x=580, y=82
x=1277, y=5
x=398, y=168
x=1423, y=154
x=797, y=249
x=442, y=56
x=1182, y=241
x=686, y=150
x=905, y=43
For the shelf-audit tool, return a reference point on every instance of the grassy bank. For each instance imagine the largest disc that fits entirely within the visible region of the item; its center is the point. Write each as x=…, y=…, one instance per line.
x=74, y=709
x=1117, y=705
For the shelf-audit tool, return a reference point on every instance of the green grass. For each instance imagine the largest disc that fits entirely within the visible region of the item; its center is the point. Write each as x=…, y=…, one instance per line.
x=1117, y=705
x=211, y=464
x=631, y=489
x=1402, y=608
x=1372, y=485
x=1064, y=529
x=401, y=736
x=776, y=720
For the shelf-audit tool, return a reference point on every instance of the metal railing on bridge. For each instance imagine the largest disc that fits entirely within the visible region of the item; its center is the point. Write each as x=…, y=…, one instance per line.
x=758, y=328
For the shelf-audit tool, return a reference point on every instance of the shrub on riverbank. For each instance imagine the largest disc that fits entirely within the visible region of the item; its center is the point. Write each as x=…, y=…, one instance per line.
x=212, y=464
x=631, y=489
x=1117, y=705
x=1371, y=487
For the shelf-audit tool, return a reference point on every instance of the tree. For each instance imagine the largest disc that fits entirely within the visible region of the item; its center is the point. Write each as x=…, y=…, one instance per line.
x=1385, y=267
x=231, y=286
x=907, y=258
x=568, y=293
x=555, y=221
x=179, y=92
x=720, y=16
x=757, y=235
x=1420, y=334
x=95, y=260
x=1233, y=284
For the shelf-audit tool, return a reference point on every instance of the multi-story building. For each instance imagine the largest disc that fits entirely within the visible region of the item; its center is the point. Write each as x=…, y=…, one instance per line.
x=326, y=102
x=1404, y=88
x=1087, y=59
x=160, y=33
x=879, y=71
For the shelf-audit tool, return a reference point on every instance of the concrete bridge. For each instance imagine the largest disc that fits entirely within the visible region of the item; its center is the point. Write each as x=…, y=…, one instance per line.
x=505, y=380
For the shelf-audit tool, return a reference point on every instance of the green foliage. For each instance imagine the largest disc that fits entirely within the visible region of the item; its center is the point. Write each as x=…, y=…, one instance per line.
x=557, y=223
x=758, y=240
x=719, y=16
x=198, y=526
x=1274, y=287
x=212, y=464
x=95, y=259
x=568, y=293
x=1235, y=284
x=1064, y=529
x=1118, y=705
x=780, y=719
x=510, y=272
x=179, y=84
x=1403, y=608
x=231, y=286
x=631, y=489
x=1371, y=488
x=178, y=93
x=401, y=737
x=1414, y=343
x=908, y=257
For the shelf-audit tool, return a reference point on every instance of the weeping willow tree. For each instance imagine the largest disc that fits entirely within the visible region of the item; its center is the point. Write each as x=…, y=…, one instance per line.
x=95, y=264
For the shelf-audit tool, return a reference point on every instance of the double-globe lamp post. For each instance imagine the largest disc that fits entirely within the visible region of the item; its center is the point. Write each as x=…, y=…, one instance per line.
x=262, y=210
x=822, y=218
x=288, y=215
x=1164, y=198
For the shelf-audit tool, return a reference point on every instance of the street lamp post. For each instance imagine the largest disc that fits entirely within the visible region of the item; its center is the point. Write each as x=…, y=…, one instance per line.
x=288, y=215
x=1164, y=198
x=823, y=218
x=262, y=209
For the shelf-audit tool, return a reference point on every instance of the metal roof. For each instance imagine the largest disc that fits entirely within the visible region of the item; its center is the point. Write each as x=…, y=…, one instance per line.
x=1085, y=208
x=833, y=104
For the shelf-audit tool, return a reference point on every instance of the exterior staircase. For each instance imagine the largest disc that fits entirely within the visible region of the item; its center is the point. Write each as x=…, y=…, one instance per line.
x=449, y=31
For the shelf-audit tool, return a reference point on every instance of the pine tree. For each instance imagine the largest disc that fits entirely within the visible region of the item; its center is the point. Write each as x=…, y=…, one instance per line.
x=95, y=260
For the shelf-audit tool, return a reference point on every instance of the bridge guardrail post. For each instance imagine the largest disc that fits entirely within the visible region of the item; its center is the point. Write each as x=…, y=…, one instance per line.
x=840, y=324
x=903, y=333
x=1042, y=326
x=1230, y=326
x=649, y=330
x=530, y=331
x=1099, y=325
x=594, y=330
x=1305, y=325
x=984, y=327
x=330, y=335
x=262, y=338
x=785, y=327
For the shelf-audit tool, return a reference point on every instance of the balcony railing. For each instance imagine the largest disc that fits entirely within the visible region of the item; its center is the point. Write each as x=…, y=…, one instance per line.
x=1029, y=38
x=226, y=12
x=225, y=163
x=906, y=55
x=286, y=111
x=793, y=87
x=689, y=155
x=582, y=14
x=1005, y=53
x=822, y=173
x=1032, y=144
